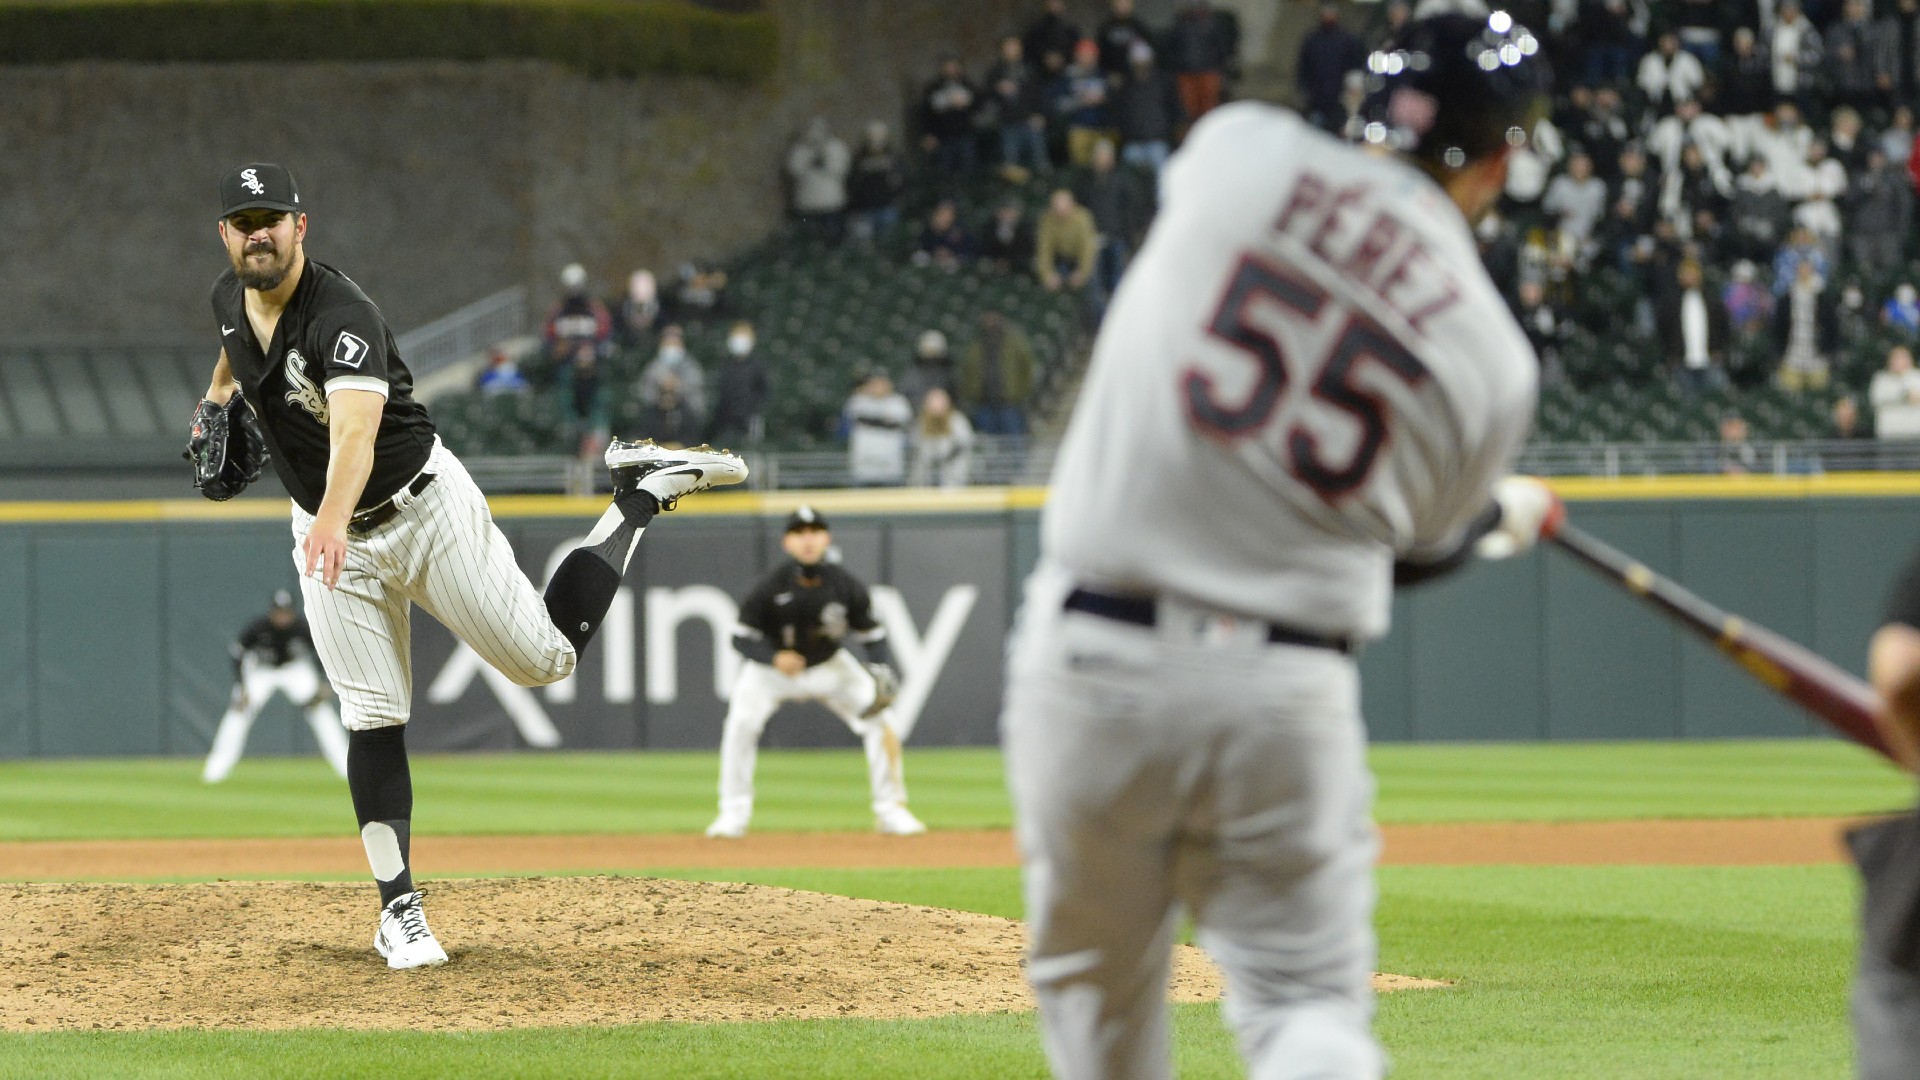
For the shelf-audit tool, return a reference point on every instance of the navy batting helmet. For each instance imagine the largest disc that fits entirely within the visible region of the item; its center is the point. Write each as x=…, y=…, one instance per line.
x=1453, y=89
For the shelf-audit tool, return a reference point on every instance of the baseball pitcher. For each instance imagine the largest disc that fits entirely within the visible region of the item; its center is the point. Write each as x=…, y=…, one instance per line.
x=384, y=517
x=274, y=655
x=794, y=627
x=1306, y=389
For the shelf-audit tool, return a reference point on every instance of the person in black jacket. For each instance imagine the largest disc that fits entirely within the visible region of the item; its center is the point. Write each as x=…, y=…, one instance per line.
x=793, y=634
x=1694, y=331
x=1017, y=95
x=947, y=108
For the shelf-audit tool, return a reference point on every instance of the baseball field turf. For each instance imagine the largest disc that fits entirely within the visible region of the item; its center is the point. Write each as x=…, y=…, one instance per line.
x=1650, y=970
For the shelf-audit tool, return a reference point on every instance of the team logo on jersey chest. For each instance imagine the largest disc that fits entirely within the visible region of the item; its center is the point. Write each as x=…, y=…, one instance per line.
x=833, y=620
x=304, y=393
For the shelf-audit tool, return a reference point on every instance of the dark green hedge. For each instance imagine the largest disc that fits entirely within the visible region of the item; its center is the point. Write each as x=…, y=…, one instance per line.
x=599, y=37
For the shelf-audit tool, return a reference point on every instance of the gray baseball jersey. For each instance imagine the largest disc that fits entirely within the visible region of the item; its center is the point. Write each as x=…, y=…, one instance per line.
x=1304, y=375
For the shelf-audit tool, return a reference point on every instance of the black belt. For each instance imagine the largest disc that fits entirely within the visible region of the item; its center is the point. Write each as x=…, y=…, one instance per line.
x=1142, y=611
x=379, y=514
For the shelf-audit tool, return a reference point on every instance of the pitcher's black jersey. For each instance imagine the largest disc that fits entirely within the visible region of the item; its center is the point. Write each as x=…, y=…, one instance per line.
x=330, y=337
x=813, y=615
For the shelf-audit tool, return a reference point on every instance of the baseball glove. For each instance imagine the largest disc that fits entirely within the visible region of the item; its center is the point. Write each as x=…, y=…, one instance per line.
x=226, y=448
x=886, y=687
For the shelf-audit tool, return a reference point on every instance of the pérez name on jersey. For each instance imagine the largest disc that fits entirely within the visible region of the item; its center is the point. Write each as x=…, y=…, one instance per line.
x=1381, y=255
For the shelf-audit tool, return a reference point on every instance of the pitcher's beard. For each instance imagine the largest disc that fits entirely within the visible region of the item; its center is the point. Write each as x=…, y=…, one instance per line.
x=264, y=278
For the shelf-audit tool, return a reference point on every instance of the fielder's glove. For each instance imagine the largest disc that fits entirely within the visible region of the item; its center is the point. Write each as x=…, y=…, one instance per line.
x=226, y=448
x=886, y=687
x=1529, y=510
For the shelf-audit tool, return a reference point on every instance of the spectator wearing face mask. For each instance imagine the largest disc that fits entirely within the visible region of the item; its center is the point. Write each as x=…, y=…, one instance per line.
x=1901, y=313
x=673, y=359
x=740, y=391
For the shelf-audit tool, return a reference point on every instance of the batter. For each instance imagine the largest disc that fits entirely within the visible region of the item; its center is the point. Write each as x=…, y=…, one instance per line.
x=1306, y=389
x=386, y=518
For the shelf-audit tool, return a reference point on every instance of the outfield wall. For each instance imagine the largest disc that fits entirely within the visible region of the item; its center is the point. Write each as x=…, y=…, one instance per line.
x=114, y=619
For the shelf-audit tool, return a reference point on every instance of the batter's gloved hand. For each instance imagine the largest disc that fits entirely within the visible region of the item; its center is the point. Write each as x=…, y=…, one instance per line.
x=226, y=448
x=886, y=687
x=1529, y=510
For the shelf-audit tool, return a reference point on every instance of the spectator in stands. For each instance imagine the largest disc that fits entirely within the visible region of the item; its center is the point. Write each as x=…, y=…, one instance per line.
x=1693, y=332
x=1530, y=166
x=1901, y=313
x=1019, y=104
x=931, y=368
x=1796, y=50
x=1121, y=208
x=1845, y=419
x=702, y=291
x=942, y=444
x=1745, y=91
x=1637, y=186
x=578, y=318
x=877, y=418
x=674, y=361
x=1846, y=142
x=1801, y=247
x=1696, y=186
x=1897, y=140
x=996, y=376
x=1116, y=37
x=1737, y=455
x=1699, y=22
x=1576, y=199
x=501, y=375
x=1807, y=322
x=1545, y=327
x=1759, y=216
x=1668, y=75
x=1066, y=248
x=1898, y=28
x=1499, y=246
x=1147, y=112
x=1203, y=48
x=740, y=392
x=817, y=166
x=1749, y=303
x=875, y=183
x=1783, y=141
x=1824, y=185
x=1690, y=125
x=1853, y=449
x=1007, y=245
x=1326, y=55
x=1389, y=18
x=1612, y=44
x=639, y=309
x=667, y=419
x=586, y=398
x=1079, y=98
x=1879, y=213
x=946, y=118
x=1601, y=129
x=1895, y=394
x=1859, y=64
x=945, y=244
x=1052, y=32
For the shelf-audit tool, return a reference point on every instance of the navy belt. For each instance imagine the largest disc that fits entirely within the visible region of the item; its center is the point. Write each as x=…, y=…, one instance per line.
x=379, y=514
x=1142, y=611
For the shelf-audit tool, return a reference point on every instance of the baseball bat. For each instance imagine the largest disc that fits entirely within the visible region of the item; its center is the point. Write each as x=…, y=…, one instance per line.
x=1793, y=671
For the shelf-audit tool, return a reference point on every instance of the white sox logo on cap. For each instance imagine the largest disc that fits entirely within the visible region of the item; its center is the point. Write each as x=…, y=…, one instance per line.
x=250, y=179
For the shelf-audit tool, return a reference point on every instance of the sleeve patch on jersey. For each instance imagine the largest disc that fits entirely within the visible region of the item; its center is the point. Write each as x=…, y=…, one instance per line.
x=349, y=351
x=357, y=382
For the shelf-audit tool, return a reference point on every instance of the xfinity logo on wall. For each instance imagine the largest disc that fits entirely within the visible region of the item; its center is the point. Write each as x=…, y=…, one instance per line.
x=921, y=654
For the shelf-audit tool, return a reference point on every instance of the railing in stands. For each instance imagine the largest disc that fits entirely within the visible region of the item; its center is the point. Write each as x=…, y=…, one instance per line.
x=480, y=325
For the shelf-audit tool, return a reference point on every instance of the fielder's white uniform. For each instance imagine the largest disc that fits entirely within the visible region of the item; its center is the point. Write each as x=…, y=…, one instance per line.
x=259, y=679
x=1304, y=375
x=844, y=687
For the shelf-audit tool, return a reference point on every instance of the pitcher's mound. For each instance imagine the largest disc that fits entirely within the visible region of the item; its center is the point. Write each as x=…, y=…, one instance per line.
x=525, y=952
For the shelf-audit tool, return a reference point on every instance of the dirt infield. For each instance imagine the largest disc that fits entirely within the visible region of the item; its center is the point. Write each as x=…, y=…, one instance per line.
x=554, y=951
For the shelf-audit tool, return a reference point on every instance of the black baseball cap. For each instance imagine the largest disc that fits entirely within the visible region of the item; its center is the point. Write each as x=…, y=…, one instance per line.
x=258, y=186
x=805, y=517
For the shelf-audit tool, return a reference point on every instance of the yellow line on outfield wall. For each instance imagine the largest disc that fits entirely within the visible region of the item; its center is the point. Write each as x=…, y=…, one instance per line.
x=975, y=500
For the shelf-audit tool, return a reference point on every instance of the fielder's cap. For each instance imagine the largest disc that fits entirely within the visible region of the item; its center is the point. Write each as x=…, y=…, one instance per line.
x=805, y=517
x=258, y=186
x=282, y=598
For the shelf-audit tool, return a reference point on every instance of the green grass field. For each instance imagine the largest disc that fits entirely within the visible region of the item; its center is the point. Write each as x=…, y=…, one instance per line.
x=1560, y=971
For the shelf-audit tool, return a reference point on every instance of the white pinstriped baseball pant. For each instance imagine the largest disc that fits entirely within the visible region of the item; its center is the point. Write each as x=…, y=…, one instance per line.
x=444, y=553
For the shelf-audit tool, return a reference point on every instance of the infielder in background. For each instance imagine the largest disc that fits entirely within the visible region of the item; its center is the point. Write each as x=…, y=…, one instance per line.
x=274, y=654
x=1305, y=391
x=793, y=632
x=385, y=517
x=1886, y=987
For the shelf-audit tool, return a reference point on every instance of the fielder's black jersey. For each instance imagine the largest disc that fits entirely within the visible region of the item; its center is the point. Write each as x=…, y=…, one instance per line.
x=273, y=643
x=813, y=615
x=330, y=337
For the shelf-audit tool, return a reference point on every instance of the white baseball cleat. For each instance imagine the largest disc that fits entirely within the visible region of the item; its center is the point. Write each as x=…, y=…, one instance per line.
x=898, y=821
x=668, y=474
x=404, y=938
x=728, y=826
